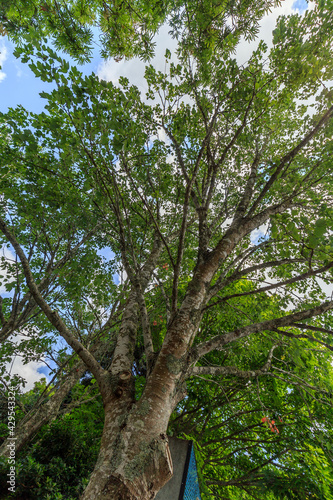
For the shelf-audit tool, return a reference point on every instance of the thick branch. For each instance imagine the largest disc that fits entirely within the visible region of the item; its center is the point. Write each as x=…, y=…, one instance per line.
x=219, y=341
x=233, y=370
x=51, y=314
x=123, y=355
x=147, y=338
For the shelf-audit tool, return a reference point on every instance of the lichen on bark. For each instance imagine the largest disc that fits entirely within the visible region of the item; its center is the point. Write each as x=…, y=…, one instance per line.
x=143, y=408
x=174, y=364
x=136, y=467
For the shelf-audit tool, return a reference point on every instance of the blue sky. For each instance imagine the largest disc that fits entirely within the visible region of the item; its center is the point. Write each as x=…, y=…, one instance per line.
x=18, y=85
x=301, y=5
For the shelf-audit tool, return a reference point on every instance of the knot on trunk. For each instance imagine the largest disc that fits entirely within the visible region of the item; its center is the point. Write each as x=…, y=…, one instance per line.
x=125, y=375
x=123, y=383
x=118, y=392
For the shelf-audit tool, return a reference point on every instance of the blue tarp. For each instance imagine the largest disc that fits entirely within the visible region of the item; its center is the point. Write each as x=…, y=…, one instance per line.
x=192, y=491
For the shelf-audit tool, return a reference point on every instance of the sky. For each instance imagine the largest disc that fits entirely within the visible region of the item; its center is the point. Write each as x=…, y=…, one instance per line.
x=18, y=86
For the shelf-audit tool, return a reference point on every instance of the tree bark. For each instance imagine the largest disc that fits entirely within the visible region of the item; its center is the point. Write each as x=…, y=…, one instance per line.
x=134, y=460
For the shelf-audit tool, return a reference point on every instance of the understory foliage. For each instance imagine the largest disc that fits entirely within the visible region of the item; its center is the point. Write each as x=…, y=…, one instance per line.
x=175, y=243
x=58, y=461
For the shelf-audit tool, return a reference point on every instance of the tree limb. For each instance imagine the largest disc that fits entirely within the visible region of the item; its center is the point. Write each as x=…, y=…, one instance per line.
x=219, y=341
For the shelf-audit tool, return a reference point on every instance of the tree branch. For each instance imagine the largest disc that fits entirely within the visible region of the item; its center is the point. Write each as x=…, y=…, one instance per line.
x=289, y=157
x=51, y=314
x=233, y=370
x=239, y=274
x=300, y=277
x=219, y=341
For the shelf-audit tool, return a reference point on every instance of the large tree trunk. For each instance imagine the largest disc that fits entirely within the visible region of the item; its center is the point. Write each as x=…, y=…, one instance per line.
x=134, y=460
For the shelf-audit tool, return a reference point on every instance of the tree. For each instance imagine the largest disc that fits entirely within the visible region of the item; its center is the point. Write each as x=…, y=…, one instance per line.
x=175, y=187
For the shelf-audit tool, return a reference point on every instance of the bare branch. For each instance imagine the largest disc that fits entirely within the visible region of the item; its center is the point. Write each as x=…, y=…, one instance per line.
x=274, y=286
x=239, y=274
x=302, y=335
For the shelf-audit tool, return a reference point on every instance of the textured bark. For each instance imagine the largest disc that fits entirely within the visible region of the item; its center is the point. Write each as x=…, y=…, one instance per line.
x=134, y=460
x=123, y=355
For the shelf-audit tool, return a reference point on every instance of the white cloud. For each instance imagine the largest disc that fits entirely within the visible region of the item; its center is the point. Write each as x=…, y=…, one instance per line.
x=3, y=57
x=258, y=233
x=134, y=69
x=29, y=371
x=267, y=25
x=326, y=288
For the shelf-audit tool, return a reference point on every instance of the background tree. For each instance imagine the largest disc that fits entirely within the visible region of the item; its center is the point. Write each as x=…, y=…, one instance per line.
x=174, y=187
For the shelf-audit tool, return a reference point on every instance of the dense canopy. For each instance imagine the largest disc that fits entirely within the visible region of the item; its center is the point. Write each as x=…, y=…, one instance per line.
x=169, y=254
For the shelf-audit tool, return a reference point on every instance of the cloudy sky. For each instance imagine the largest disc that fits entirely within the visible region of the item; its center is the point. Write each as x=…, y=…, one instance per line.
x=19, y=86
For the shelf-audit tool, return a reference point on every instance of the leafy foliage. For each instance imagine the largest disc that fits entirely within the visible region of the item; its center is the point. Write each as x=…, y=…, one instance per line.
x=211, y=202
x=58, y=463
x=127, y=29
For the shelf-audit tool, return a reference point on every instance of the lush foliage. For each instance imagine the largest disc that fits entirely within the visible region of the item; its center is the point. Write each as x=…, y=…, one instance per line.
x=57, y=464
x=188, y=227
x=127, y=29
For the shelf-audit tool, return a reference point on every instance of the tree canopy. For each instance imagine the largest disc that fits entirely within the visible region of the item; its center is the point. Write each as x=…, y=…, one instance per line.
x=167, y=253
x=127, y=29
